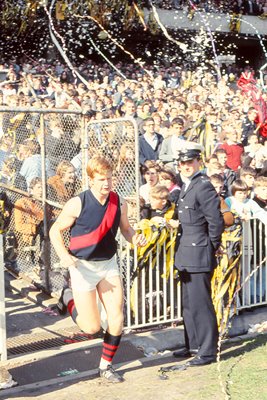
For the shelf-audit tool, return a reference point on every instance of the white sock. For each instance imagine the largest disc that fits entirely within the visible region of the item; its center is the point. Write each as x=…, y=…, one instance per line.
x=67, y=296
x=103, y=363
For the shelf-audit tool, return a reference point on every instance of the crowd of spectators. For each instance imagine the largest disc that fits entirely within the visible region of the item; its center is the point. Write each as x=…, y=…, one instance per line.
x=246, y=7
x=170, y=105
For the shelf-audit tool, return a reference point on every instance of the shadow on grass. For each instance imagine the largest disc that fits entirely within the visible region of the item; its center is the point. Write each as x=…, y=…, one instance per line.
x=242, y=346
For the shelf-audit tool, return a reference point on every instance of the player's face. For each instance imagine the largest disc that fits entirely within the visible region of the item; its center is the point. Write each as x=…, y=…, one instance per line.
x=101, y=184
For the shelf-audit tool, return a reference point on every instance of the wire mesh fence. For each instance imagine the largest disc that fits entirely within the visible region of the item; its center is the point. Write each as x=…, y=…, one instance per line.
x=43, y=159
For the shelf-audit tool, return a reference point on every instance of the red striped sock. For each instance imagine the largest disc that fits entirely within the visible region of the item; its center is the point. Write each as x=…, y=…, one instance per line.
x=72, y=310
x=110, y=346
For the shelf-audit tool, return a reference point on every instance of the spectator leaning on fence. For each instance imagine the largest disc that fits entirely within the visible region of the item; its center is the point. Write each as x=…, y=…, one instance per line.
x=161, y=209
x=218, y=182
x=29, y=215
x=245, y=207
x=150, y=172
x=167, y=177
x=63, y=185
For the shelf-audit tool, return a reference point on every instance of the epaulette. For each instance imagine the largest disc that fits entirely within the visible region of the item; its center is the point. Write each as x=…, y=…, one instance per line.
x=204, y=179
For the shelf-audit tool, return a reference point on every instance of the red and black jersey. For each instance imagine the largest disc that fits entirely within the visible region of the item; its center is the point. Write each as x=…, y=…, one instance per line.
x=93, y=235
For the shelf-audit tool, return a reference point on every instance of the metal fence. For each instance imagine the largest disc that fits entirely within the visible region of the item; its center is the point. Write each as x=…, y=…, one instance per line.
x=55, y=146
x=253, y=265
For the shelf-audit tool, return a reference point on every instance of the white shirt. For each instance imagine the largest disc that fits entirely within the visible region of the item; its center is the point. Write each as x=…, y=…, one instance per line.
x=152, y=141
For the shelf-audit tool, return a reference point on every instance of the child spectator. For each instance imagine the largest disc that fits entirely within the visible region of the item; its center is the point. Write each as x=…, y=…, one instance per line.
x=240, y=203
x=233, y=149
x=260, y=189
x=218, y=182
x=228, y=174
x=248, y=175
x=167, y=177
x=150, y=172
x=161, y=207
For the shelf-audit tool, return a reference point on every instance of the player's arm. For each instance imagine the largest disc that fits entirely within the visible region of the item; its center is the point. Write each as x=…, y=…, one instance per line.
x=65, y=220
x=127, y=231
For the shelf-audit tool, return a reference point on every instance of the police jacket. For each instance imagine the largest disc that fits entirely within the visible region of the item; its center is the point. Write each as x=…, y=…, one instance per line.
x=201, y=225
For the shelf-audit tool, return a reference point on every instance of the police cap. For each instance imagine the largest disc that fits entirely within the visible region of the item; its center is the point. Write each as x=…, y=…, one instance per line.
x=189, y=151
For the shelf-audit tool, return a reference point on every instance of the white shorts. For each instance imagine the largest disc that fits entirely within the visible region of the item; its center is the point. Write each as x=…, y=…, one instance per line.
x=86, y=275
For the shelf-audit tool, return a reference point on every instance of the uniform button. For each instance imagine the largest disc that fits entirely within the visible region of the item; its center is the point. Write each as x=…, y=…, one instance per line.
x=182, y=199
x=185, y=206
x=193, y=244
x=180, y=211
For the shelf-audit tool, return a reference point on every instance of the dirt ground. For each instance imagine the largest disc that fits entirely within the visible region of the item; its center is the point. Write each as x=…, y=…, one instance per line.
x=241, y=375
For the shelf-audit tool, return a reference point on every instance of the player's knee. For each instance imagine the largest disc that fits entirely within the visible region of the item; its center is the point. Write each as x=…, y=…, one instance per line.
x=90, y=328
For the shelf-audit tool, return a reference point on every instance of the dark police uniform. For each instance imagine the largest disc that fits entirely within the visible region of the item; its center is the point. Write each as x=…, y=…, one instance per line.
x=201, y=228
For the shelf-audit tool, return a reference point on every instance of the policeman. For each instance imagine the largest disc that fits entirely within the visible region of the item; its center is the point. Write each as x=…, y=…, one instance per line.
x=201, y=228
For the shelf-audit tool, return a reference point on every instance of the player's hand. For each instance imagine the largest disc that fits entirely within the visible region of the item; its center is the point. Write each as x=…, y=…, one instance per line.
x=139, y=240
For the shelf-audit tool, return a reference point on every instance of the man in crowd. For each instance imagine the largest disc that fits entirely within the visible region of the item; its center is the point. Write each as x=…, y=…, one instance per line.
x=171, y=144
x=149, y=142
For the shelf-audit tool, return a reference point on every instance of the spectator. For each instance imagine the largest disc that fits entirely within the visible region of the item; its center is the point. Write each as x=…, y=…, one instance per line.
x=160, y=208
x=126, y=184
x=260, y=189
x=150, y=172
x=233, y=149
x=6, y=146
x=253, y=144
x=173, y=143
x=218, y=182
x=28, y=213
x=228, y=174
x=240, y=203
x=248, y=175
x=32, y=164
x=63, y=185
x=167, y=177
x=149, y=142
x=249, y=125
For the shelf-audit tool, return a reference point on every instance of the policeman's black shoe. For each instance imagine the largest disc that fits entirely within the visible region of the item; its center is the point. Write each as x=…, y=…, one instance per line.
x=184, y=353
x=198, y=361
x=61, y=306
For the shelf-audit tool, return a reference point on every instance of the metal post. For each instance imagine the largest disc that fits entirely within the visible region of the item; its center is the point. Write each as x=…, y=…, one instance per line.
x=3, y=351
x=85, y=147
x=137, y=168
x=46, y=252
